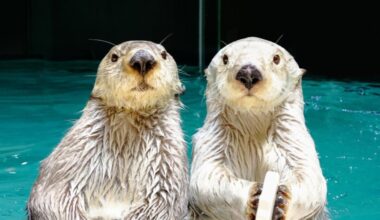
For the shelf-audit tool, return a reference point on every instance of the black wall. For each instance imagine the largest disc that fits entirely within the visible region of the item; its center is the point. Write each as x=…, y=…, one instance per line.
x=333, y=39
x=329, y=38
x=60, y=30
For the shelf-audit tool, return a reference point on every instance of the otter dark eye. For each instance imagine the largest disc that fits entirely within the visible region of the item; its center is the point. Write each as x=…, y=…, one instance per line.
x=114, y=57
x=225, y=59
x=276, y=59
x=164, y=54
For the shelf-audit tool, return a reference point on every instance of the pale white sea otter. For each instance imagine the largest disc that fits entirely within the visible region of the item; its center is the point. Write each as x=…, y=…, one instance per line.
x=125, y=158
x=255, y=123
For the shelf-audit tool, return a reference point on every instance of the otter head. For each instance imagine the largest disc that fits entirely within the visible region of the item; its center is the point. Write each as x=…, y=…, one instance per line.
x=252, y=74
x=137, y=75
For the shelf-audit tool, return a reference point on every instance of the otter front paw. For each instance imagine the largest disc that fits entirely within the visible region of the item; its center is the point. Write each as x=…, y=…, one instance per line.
x=253, y=201
x=281, y=204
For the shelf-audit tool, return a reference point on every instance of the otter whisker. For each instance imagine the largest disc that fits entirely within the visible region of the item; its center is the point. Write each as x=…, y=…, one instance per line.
x=103, y=41
x=165, y=38
x=183, y=67
x=90, y=75
x=279, y=38
x=182, y=72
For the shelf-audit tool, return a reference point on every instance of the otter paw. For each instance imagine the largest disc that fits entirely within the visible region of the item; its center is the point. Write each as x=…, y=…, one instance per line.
x=281, y=204
x=253, y=202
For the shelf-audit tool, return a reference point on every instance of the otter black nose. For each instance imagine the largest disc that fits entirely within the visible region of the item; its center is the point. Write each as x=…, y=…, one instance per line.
x=142, y=61
x=249, y=75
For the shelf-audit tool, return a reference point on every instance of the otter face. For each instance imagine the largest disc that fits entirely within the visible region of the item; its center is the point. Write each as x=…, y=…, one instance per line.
x=137, y=75
x=252, y=74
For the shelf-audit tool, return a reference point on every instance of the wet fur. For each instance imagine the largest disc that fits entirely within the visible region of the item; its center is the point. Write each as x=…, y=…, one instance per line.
x=236, y=147
x=116, y=163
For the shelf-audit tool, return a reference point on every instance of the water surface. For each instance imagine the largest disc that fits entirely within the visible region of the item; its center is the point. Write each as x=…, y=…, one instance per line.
x=39, y=101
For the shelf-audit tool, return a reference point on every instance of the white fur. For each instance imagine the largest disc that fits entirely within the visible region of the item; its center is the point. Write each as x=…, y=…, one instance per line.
x=247, y=133
x=125, y=158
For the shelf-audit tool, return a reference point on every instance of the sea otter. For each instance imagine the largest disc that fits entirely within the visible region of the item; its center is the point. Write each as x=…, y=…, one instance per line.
x=125, y=158
x=255, y=123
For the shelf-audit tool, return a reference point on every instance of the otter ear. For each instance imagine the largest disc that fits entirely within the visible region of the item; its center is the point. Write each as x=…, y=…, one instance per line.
x=300, y=73
x=208, y=75
x=207, y=72
x=303, y=71
x=299, y=76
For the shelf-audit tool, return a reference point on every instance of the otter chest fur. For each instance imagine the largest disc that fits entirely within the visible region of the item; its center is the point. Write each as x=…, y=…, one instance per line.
x=135, y=151
x=255, y=133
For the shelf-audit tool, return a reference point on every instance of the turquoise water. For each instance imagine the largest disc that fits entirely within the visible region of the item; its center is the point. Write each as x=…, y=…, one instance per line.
x=39, y=101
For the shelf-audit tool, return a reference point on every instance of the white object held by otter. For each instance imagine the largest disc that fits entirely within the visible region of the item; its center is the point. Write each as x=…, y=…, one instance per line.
x=125, y=158
x=255, y=123
x=268, y=196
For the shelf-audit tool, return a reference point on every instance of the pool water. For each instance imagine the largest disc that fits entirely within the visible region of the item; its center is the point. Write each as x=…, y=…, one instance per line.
x=39, y=101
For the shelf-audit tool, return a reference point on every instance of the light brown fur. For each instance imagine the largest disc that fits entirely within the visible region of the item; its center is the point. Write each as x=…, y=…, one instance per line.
x=125, y=158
